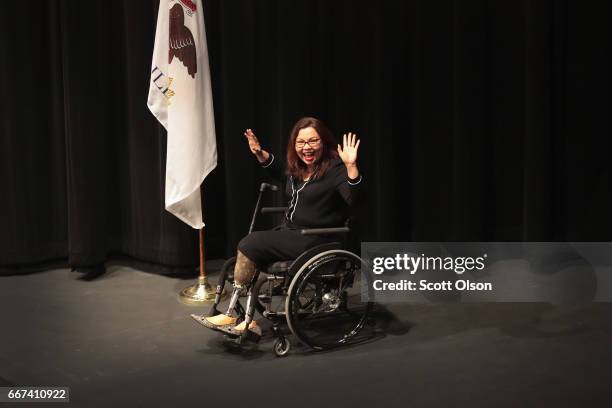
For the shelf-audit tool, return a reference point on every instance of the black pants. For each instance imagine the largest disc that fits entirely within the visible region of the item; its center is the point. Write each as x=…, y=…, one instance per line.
x=283, y=243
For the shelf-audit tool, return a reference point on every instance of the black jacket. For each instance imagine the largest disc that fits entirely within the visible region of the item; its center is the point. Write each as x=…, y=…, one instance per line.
x=321, y=201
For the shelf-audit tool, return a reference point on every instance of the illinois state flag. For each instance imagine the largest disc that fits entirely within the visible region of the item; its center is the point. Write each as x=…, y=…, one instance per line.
x=180, y=97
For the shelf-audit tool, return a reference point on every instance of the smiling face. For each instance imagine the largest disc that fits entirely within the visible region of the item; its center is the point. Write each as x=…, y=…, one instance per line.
x=308, y=146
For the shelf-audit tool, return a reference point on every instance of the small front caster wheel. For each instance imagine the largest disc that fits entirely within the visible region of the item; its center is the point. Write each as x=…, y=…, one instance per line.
x=282, y=347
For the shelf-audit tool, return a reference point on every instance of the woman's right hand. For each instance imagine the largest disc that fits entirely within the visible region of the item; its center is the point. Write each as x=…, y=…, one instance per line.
x=255, y=146
x=253, y=142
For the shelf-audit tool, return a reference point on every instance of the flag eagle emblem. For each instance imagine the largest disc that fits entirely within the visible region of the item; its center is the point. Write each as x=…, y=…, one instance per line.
x=181, y=45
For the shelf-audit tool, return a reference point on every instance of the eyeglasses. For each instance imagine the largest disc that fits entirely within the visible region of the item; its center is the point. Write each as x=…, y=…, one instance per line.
x=312, y=143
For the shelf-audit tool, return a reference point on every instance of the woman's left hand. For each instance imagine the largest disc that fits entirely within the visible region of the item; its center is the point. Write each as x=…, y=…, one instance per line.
x=348, y=153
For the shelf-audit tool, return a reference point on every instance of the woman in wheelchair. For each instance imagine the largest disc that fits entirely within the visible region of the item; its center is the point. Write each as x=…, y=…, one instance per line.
x=322, y=182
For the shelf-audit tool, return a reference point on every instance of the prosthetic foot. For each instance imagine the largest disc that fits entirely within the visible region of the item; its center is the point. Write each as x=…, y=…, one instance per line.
x=221, y=322
x=240, y=328
x=215, y=322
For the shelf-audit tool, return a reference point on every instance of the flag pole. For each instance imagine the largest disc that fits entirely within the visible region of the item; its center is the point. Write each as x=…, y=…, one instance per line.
x=201, y=292
x=202, y=268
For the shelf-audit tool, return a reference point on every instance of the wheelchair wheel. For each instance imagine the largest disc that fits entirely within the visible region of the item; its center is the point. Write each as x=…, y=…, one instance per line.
x=324, y=306
x=282, y=347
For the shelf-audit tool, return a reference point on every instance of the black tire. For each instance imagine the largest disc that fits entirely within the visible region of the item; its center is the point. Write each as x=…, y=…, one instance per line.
x=323, y=306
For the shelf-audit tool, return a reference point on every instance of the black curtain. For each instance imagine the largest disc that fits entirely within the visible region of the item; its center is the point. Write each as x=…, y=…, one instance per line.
x=479, y=120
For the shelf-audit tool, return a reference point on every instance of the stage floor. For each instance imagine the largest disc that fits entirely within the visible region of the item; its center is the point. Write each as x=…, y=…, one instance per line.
x=125, y=340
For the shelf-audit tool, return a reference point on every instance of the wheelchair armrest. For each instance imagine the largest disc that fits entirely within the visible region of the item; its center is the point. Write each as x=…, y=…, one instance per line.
x=271, y=210
x=325, y=231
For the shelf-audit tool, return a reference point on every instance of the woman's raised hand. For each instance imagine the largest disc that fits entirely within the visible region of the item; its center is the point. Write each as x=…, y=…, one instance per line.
x=262, y=155
x=253, y=142
x=348, y=151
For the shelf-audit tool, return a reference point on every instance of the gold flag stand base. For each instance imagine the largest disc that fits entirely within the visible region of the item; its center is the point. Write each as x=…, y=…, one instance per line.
x=199, y=293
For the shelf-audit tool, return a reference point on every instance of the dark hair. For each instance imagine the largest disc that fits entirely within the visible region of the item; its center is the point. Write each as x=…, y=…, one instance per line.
x=295, y=166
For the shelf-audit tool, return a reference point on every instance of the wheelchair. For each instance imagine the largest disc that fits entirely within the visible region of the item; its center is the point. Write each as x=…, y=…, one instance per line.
x=317, y=296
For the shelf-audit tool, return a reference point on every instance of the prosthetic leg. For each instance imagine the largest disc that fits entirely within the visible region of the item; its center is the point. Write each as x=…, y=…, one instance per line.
x=249, y=333
x=245, y=273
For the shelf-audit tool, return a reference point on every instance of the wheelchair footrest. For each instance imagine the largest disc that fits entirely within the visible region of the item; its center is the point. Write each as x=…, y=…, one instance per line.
x=254, y=333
